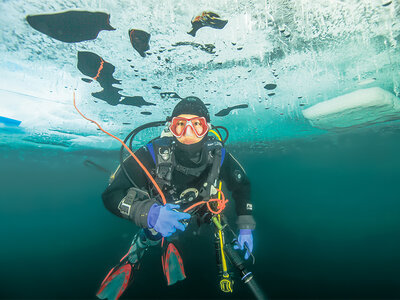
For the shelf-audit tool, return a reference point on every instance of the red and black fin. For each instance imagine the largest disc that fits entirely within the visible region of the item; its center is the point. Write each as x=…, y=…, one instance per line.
x=117, y=280
x=172, y=264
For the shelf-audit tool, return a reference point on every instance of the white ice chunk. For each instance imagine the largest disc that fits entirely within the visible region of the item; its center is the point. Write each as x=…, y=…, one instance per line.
x=39, y=113
x=360, y=108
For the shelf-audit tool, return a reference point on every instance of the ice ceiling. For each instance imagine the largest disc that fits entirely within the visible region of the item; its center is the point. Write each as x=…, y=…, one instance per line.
x=272, y=60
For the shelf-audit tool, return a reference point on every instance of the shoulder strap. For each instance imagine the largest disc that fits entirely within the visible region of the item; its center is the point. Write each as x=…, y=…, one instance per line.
x=151, y=150
x=213, y=145
x=222, y=156
x=161, y=152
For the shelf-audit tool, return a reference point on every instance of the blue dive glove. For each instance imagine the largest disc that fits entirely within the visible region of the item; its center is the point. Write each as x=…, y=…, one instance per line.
x=245, y=236
x=165, y=219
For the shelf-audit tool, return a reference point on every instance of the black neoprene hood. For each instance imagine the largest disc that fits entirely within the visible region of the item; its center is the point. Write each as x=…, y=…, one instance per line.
x=191, y=106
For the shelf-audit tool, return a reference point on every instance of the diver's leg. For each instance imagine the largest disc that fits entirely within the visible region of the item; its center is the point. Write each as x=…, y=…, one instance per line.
x=144, y=239
x=118, y=279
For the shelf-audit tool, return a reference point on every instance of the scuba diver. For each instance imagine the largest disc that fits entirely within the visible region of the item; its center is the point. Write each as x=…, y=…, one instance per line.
x=187, y=163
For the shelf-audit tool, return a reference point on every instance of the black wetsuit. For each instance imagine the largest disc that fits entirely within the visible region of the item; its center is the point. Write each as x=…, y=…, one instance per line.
x=231, y=173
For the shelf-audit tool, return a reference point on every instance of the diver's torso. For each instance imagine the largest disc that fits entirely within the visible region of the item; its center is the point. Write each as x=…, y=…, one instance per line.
x=183, y=184
x=184, y=189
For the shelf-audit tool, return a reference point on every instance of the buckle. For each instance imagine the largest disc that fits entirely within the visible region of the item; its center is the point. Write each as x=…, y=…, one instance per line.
x=125, y=208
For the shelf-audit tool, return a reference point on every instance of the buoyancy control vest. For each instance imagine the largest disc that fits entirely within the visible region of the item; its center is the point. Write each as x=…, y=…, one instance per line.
x=163, y=151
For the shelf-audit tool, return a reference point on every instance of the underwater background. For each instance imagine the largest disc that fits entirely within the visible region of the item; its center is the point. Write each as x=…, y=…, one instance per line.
x=327, y=214
x=309, y=91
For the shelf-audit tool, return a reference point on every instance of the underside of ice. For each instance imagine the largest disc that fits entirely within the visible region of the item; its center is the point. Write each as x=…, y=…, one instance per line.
x=256, y=72
x=360, y=108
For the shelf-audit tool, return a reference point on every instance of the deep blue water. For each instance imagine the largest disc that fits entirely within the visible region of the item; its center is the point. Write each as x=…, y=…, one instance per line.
x=327, y=212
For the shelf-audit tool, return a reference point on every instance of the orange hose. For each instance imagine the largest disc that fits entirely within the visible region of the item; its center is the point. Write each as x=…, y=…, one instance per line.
x=131, y=153
x=221, y=204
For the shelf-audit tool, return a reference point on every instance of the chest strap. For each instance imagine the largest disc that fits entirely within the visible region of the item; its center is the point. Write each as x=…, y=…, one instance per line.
x=161, y=151
x=191, y=171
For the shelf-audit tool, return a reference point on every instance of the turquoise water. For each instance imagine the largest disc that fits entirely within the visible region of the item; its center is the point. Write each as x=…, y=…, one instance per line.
x=327, y=212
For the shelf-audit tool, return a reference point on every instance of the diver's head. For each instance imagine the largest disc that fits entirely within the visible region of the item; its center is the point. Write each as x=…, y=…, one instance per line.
x=190, y=121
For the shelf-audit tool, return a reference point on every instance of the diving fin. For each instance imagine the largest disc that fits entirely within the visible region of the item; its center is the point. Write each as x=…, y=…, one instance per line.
x=118, y=279
x=172, y=264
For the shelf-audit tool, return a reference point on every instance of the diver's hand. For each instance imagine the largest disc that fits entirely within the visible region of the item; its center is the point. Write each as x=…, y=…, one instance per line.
x=245, y=236
x=166, y=219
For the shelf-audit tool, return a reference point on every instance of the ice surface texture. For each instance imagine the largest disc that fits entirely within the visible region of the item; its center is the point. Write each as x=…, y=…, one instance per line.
x=360, y=108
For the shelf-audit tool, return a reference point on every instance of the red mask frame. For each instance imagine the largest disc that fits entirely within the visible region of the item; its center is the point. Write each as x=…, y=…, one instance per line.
x=202, y=126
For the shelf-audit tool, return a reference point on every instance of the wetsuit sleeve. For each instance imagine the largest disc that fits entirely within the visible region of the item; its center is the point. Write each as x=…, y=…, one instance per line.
x=122, y=199
x=236, y=180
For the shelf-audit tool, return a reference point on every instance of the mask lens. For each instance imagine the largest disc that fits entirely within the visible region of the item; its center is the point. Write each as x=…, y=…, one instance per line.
x=177, y=126
x=200, y=126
